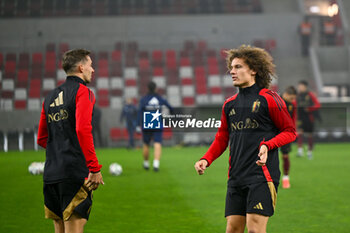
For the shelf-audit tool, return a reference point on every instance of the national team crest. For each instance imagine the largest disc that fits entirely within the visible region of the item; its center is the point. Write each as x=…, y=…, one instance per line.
x=256, y=106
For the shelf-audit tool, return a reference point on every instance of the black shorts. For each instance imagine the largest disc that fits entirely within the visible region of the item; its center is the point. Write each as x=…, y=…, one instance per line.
x=286, y=148
x=259, y=198
x=64, y=198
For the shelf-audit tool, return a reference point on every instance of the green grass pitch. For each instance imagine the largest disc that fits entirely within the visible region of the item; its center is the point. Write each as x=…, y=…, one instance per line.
x=178, y=200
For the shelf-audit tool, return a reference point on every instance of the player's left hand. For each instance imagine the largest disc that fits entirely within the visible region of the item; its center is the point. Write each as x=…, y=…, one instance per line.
x=94, y=180
x=262, y=155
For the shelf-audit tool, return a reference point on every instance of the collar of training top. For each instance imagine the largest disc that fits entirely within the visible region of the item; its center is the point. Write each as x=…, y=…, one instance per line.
x=248, y=90
x=77, y=79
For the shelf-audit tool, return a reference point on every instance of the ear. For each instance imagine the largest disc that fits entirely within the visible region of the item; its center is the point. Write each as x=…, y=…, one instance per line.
x=253, y=72
x=80, y=68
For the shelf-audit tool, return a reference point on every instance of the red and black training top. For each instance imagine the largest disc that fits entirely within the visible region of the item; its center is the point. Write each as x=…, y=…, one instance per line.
x=65, y=131
x=250, y=119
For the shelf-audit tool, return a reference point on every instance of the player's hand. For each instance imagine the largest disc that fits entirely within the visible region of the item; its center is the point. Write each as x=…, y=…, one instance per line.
x=200, y=166
x=262, y=155
x=94, y=180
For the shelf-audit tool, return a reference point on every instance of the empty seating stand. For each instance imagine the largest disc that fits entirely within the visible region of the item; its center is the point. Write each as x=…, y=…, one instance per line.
x=78, y=8
x=195, y=75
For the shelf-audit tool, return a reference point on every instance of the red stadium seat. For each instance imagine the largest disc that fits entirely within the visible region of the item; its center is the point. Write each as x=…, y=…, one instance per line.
x=20, y=104
x=11, y=57
x=188, y=101
x=213, y=69
x=1, y=60
x=50, y=64
x=201, y=89
x=7, y=94
x=116, y=55
x=103, y=102
x=143, y=54
x=10, y=69
x=215, y=90
x=22, y=78
x=157, y=58
x=103, y=98
x=185, y=61
x=37, y=58
x=115, y=134
x=63, y=47
x=116, y=69
x=186, y=81
x=118, y=134
x=23, y=62
x=167, y=133
x=103, y=55
x=172, y=77
x=35, y=88
x=144, y=64
x=158, y=71
x=202, y=45
x=130, y=82
x=103, y=68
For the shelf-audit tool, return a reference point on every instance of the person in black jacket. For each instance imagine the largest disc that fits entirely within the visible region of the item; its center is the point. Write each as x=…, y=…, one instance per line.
x=71, y=170
x=254, y=123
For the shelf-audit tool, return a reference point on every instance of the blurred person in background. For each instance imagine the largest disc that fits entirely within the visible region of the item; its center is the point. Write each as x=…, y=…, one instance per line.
x=305, y=31
x=152, y=102
x=129, y=112
x=308, y=106
x=289, y=96
x=72, y=170
x=254, y=123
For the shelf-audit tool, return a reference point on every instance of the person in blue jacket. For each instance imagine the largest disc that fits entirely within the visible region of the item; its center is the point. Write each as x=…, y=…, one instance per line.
x=150, y=118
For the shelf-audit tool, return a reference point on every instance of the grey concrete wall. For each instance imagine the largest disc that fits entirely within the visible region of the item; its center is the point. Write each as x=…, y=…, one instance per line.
x=333, y=58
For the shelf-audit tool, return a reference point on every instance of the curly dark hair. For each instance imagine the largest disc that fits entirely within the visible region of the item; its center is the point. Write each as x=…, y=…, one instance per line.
x=257, y=59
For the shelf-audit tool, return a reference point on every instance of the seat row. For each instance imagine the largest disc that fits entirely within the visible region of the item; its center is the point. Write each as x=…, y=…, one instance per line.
x=62, y=8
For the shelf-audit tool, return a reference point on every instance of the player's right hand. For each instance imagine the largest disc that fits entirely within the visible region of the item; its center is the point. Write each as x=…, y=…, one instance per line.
x=200, y=166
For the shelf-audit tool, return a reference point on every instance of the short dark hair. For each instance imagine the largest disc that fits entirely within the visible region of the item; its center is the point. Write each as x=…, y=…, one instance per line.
x=291, y=90
x=72, y=57
x=152, y=87
x=304, y=82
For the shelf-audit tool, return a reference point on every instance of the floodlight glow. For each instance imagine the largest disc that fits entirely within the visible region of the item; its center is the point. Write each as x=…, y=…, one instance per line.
x=333, y=10
x=315, y=9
